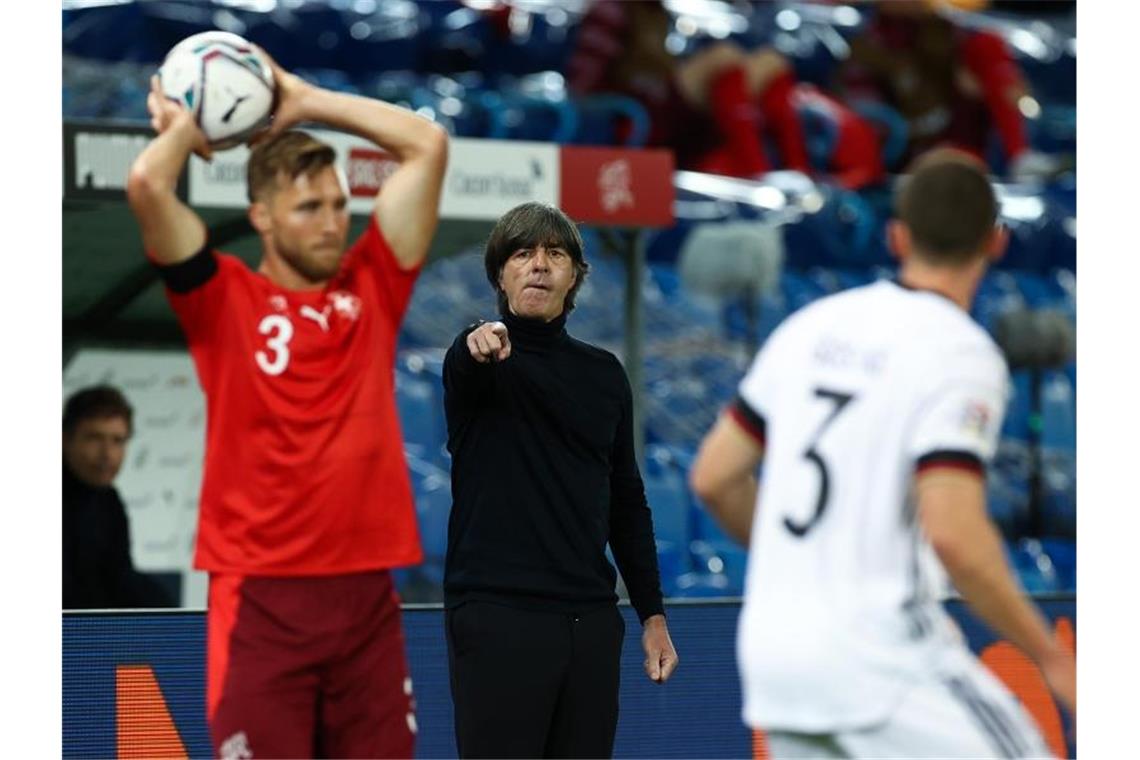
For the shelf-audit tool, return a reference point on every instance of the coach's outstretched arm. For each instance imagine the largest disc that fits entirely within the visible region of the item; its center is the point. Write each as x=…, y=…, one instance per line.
x=171, y=231
x=407, y=209
x=952, y=510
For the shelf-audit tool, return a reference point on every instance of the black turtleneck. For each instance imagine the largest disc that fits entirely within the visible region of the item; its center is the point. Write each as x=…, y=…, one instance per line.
x=97, y=568
x=543, y=475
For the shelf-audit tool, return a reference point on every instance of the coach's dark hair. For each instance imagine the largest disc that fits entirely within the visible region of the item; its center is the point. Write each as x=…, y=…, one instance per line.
x=948, y=205
x=292, y=154
x=526, y=226
x=95, y=402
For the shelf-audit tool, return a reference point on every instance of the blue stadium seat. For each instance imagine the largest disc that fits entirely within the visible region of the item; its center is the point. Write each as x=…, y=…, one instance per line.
x=1007, y=486
x=701, y=585
x=798, y=290
x=705, y=528
x=721, y=557
x=1018, y=411
x=1059, y=492
x=669, y=502
x=673, y=561
x=420, y=406
x=841, y=234
x=997, y=294
x=433, y=508
x=602, y=119
x=1034, y=567
x=1063, y=554
x=1058, y=411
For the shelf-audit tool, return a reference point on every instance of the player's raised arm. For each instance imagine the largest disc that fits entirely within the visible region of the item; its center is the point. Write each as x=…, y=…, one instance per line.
x=171, y=231
x=952, y=510
x=408, y=208
x=724, y=473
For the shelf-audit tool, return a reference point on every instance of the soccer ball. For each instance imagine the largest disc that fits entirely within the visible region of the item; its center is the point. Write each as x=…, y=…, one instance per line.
x=223, y=80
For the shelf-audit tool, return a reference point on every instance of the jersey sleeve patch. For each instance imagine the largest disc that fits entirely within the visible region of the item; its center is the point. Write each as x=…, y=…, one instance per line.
x=192, y=273
x=749, y=419
x=949, y=459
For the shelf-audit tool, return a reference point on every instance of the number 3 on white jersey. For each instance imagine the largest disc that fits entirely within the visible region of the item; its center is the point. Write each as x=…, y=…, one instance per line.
x=280, y=332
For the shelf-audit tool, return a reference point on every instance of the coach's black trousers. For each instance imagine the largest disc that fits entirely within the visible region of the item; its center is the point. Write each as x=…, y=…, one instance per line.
x=534, y=684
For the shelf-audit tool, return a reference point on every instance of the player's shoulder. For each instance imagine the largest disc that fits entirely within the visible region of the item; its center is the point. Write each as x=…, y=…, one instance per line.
x=944, y=333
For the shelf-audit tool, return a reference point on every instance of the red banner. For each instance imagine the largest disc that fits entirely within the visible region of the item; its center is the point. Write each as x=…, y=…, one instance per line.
x=616, y=186
x=367, y=170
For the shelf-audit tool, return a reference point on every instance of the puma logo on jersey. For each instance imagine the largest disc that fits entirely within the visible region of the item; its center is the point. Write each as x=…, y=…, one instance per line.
x=320, y=317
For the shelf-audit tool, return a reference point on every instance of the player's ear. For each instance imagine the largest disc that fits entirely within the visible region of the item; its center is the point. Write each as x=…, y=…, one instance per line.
x=898, y=239
x=997, y=242
x=259, y=217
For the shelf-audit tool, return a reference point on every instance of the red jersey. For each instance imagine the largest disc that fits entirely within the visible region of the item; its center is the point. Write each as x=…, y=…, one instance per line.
x=305, y=471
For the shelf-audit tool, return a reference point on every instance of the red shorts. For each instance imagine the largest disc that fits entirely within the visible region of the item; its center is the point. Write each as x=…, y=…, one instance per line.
x=308, y=667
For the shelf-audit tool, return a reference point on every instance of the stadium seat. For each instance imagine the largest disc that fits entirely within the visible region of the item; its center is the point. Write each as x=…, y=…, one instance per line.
x=997, y=294
x=1058, y=492
x=721, y=557
x=1063, y=554
x=1007, y=486
x=433, y=508
x=705, y=529
x=1034, y=567
x=603, y=119
x=669, y=502
x=420, y=406
x=673, y=561
x=1019, y=409
x=799, y=290
x=1058, y=411
x=698, y=585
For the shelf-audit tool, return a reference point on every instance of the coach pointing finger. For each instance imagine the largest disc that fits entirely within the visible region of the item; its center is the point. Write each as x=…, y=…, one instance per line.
x=543, y=476
x=489, y=342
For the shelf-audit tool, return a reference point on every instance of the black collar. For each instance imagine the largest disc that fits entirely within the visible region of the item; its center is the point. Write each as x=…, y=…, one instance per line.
x=535, y=332
x=898, y=281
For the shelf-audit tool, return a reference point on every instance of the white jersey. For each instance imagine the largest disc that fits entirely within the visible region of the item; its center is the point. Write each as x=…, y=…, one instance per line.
x=851, y=396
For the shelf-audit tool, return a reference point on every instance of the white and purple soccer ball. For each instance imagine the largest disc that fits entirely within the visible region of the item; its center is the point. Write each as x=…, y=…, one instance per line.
x=224, y=81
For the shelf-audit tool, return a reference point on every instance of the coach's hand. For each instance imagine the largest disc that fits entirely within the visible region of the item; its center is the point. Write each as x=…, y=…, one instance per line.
x=660, y=656
x=489, y=342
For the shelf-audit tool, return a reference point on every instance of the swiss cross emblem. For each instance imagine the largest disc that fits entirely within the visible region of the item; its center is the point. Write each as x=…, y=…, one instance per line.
x=615, y=181
x=345, y=304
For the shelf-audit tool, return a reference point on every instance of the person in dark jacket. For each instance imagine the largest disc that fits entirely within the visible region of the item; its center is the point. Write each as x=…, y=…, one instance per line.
x=97, y=568
x=543, y=476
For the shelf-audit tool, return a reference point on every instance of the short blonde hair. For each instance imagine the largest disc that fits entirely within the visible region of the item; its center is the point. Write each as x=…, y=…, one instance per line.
x=291, y=154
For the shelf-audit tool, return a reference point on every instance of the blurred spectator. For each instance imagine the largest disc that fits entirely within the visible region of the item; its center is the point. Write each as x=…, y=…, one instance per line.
x=952, y=85
x=97, y=568
x=714, y=106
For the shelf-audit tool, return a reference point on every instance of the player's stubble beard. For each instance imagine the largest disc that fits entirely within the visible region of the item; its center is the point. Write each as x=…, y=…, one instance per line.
x=316, y=265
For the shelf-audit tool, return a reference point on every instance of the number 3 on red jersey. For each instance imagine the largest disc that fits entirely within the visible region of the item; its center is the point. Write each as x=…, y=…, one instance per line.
x=280, y=332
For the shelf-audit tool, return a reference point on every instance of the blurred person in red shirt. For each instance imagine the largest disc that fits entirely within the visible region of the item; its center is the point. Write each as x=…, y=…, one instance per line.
x=714, y=106
x=953, y=85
